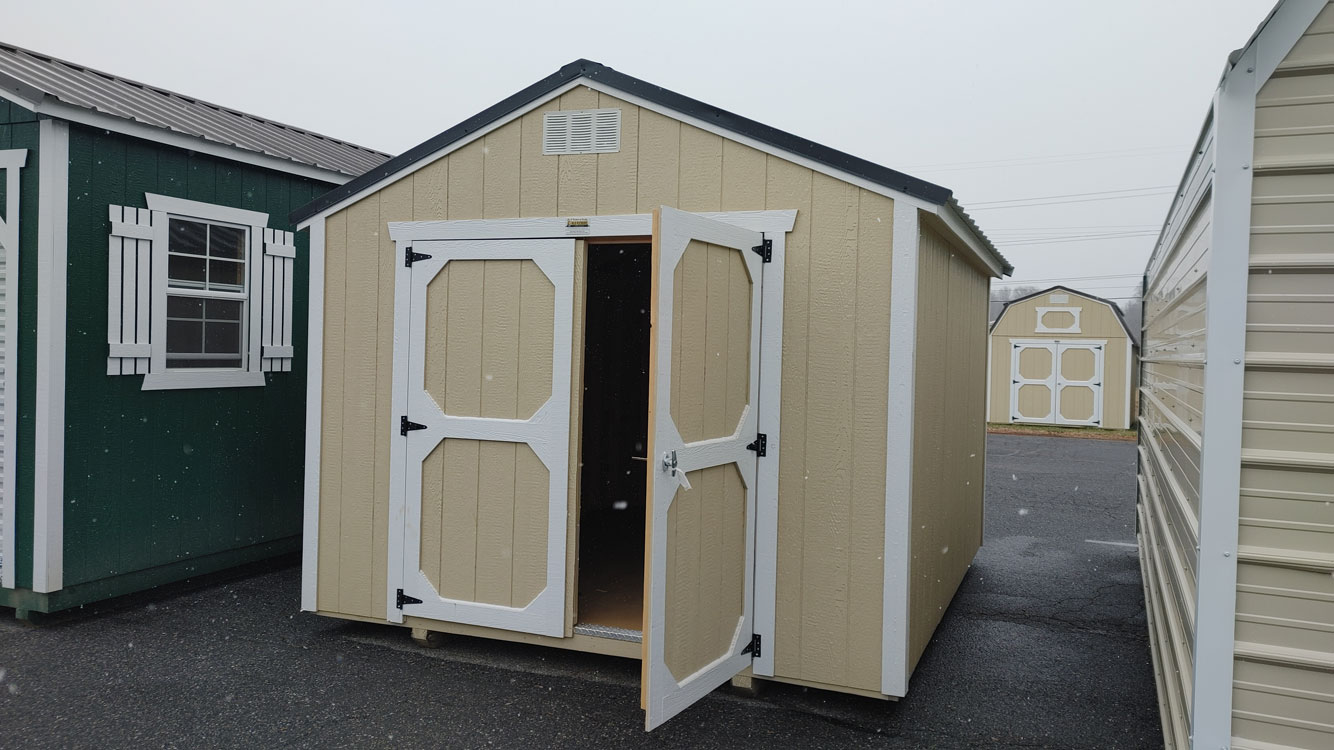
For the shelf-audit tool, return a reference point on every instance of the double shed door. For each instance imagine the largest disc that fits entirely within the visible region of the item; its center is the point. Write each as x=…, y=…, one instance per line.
x=483, y=354
x=1056, y=382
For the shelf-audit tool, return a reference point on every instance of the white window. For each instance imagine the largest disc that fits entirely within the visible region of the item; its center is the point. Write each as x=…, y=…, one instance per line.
x=1058, y=319
x=199, y=295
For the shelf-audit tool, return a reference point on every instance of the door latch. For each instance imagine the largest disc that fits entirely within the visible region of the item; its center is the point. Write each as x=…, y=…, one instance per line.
x=669, y=465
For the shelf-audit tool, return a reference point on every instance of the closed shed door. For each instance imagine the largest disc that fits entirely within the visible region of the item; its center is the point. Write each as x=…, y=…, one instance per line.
x=488, y=326
x=1056, y=382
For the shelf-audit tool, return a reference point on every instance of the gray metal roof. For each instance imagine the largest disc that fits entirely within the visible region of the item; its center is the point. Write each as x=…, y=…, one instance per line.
x=34, y=77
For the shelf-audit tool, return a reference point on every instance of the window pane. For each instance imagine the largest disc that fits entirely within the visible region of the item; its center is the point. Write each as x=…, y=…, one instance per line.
x=185, y=336
x=226, y=242
x=185, y=270
x=226, y=274
x=185, y=307
x=224, y=309
x=187, y=236
x=222, y=338
x=180, y=364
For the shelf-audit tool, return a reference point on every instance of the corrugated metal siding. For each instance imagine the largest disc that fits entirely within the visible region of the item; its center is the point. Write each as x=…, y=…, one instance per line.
x=102, y=92
x=1171, y=430
x=1283, y=687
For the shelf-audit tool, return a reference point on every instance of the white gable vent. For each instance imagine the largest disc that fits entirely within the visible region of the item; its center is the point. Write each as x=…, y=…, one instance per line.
x=582, y=131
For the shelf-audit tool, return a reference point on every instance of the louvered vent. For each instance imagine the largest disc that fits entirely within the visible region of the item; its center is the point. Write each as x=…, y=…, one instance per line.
x=582, y=131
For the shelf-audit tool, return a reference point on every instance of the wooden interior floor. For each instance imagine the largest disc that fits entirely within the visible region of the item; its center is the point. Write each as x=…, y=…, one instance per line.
x=611, y=581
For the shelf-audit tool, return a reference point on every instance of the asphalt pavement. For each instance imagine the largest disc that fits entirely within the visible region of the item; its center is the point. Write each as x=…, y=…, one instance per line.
x=1045, y=646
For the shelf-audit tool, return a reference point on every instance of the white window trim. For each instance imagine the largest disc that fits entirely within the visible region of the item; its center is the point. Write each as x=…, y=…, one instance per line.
x=159, y=377
x=1043, y=328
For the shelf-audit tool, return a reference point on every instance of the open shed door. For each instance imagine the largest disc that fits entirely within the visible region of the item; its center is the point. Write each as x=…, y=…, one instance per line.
x=704, y=360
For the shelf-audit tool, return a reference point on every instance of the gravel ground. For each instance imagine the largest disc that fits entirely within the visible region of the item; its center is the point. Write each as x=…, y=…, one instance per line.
x=1045, y=646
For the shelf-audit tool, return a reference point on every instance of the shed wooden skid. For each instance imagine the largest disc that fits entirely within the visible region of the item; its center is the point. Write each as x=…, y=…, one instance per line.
x=805, y=448
x=127, y=460
x=1062, y=357
x=1236, y=493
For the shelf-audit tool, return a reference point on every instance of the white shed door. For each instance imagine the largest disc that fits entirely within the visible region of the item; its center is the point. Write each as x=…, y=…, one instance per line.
x=702, y=423
x=487, y=424
x=1056, y=382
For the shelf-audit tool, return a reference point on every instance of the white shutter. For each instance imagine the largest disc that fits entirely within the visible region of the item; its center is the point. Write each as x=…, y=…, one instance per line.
x=129, y=290
x=276, y=301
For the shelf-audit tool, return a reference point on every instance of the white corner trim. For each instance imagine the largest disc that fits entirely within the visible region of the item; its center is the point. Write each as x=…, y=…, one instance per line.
x=990, y=338
x=1290, y=21
x=55, y=108
x=11, y=161
x=189, y=209
x=1224, y=372
x=899, y=450
x=48, y=532
x=310, y=521
x=1130, y=385
x=193, y=379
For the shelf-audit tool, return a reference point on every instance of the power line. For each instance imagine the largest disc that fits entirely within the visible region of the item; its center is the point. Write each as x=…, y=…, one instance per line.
x=1063, y=240
x=1049, y=159
x=1073, y=278
x=1073, y=195
x=1077, y=200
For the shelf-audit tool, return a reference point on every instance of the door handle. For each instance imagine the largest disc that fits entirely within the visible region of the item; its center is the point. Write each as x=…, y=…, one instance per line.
x=669, y=465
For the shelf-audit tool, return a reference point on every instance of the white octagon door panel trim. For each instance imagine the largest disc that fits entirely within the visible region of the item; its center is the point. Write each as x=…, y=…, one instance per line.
x=1061, y=408
x=672, y=458
x=1046, y=379
x=426, y=426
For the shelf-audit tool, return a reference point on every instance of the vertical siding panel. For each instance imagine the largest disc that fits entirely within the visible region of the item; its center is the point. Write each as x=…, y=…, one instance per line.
x=499, y=398
x=466, y=175
x=833, y=271
x=618, y=172
x=331, y=414
x=536, y=311
x=430, y=192
x=577, y=194
x=501, y=150
x=659, y=155
x=716, y=328
x=744, y=177
x=359, y=376
x=537, y=172
x=789, y=186
x=701, y=170
x=870, y=414
x=396, y=203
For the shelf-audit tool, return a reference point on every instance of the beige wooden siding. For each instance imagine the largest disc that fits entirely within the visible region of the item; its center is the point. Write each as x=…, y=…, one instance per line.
x=1284, y=676
x=1171, y=429
x=949, y=436
x=835, y=356
x=1096, y=321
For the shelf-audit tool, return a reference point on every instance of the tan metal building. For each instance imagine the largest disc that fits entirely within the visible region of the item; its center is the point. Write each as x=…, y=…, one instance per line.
x=1061, y=357
x=1236, y=493
x=610, y=369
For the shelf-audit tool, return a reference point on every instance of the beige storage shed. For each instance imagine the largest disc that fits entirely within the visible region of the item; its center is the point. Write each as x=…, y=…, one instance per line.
x=1236, y=480
x=607, y=368
x=1062, y=357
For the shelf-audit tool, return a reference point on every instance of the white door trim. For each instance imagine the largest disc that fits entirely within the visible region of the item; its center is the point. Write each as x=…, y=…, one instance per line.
x=665, y=695
x=1094, y=384
x=11, y=161
x=546, y=432
x=48, y=528
x=1017, y=380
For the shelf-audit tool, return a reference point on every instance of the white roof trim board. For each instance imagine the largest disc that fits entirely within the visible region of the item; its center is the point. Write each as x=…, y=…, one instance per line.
x=65, y=90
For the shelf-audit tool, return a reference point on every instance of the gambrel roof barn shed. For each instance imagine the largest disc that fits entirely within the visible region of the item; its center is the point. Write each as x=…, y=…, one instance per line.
x=153, y=329
x=610, y=369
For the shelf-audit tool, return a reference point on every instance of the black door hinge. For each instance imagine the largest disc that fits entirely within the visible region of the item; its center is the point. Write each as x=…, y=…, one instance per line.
x=760, y=446
x=765, y=250
x=405, y=425
x=410, y=257
x=405, y=599
x=753, y=648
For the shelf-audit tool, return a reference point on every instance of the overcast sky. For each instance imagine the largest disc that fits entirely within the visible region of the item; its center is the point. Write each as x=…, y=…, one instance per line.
x=995, y=100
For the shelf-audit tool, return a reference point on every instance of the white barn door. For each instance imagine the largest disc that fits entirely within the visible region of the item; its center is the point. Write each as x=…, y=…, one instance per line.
x=1056, y=382
x=487, y=327
x=1033, y=382
x=1079, y=383
x=703, y=452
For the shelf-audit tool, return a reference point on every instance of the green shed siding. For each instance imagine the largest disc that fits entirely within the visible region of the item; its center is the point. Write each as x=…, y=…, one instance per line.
x=18, y=129
x=153, y=478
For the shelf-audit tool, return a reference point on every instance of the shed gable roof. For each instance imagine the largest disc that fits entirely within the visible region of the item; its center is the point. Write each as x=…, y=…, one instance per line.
x=1116, y=310
x=635, y=88
x=63, y=89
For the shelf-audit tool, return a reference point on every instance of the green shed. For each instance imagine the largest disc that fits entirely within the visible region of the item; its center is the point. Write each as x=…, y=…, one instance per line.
x=152, y=332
